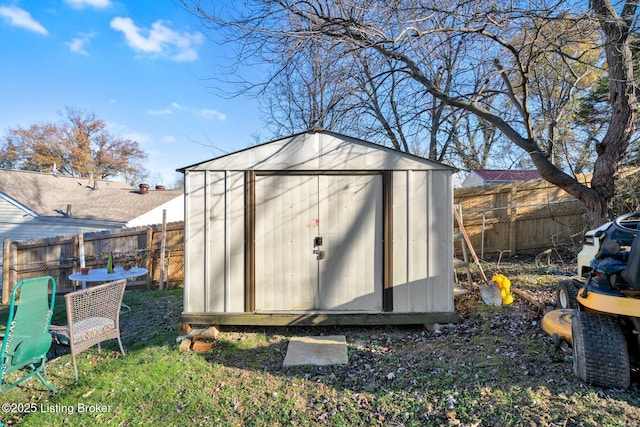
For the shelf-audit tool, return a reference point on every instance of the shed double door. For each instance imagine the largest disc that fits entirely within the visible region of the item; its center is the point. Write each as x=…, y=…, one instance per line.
x=318, y=242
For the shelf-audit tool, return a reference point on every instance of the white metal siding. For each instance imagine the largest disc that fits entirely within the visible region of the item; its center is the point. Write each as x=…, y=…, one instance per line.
x=196, y=252
x=423, y=243
x=214, y=242
x=286, y=223
x=319, y=151
x=440, y=226
x=351, y=227
x=346, y=212
x=215, y=193
x=401, y=243
x=234, y=241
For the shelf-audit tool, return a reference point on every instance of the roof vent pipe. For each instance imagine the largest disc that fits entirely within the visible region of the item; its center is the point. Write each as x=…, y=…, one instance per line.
x=144, y=188
x=159, y=187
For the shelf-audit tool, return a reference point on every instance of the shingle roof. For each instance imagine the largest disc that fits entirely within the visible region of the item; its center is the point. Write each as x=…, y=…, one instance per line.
x=507, y=175
x=49, y=195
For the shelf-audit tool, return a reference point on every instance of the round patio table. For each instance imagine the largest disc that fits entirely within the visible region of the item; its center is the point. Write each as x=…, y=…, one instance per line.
x=101, y=275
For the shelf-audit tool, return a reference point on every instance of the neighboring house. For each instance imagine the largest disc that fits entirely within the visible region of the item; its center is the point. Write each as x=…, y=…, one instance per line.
x=498, y=176
x=35, y=205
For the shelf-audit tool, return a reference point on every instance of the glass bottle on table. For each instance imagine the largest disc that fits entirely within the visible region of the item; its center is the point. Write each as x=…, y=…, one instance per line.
x=110, y=263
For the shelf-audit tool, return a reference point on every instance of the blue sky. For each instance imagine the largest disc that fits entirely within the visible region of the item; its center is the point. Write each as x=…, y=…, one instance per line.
x=141, y=66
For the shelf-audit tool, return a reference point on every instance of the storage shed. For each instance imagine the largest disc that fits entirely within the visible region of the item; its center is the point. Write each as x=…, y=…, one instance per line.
x=318, y=228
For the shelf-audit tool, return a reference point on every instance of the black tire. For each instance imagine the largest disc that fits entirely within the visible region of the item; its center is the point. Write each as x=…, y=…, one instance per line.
x=566, y=294
x=599, y=350
x=630, y=217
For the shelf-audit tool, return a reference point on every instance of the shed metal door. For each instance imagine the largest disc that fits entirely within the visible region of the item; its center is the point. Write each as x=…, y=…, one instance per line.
x=318, y=242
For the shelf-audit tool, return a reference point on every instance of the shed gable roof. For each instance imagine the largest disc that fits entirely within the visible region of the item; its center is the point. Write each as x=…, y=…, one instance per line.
x=318, y=150
x=99, y=200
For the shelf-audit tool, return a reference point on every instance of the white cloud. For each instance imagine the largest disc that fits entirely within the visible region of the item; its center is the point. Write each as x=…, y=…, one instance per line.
x=169, y=139
x=208, y=114
x=22, y=19
x=125, y=132
x=140, y=138
x=81, y=4
x=159, y=112
x=159, y=39
x=77, y=45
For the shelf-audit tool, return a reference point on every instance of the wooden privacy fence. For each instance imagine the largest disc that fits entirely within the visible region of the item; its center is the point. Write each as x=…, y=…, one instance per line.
x=156, y=248
x=520, y=218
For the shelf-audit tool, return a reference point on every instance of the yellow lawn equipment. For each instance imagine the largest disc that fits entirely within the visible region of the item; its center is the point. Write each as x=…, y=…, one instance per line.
x=600, y=317
x=490, y=292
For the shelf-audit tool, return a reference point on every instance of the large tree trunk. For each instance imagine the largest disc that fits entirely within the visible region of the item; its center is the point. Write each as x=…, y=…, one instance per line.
x=622, y=98
x=597, y=209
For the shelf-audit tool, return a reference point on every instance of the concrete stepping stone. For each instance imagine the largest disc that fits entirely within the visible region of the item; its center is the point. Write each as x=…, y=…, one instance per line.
x=318, y=351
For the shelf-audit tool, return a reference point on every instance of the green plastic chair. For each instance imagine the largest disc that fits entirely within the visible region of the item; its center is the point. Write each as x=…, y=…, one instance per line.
x=27, y=339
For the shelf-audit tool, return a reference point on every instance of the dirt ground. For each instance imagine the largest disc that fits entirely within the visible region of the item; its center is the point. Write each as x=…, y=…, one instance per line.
x=495, y=367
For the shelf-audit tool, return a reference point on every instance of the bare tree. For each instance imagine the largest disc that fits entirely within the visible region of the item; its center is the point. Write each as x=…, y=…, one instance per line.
x=314, y=82
x=308, y=91
x=78, y=146
x=511, y=97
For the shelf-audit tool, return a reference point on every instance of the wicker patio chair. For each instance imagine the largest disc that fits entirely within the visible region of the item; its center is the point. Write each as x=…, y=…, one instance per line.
x=27, y=340
x=93, y=316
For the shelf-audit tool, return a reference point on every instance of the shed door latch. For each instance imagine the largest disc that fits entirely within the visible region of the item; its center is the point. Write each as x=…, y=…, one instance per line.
x=320, y=253
x=317, y=243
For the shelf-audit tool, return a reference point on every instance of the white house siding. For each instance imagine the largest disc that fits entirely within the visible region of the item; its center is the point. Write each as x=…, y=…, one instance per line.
x=472, y=180
x=17, y=223
x=12, y=219
x=174, y=209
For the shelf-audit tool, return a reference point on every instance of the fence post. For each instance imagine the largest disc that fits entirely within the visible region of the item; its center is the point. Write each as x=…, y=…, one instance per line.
x=6, y=266
x=513, y=222
x=81, y=249
x=484, y=226
x=162, y=247
x=149, y=255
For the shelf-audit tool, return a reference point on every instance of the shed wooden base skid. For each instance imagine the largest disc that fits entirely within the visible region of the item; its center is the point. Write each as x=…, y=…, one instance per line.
x=317, y=319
